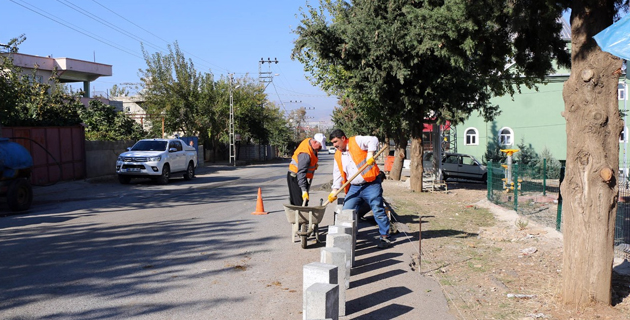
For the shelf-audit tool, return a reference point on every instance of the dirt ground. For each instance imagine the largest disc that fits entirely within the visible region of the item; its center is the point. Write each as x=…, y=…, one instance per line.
x=490, y=262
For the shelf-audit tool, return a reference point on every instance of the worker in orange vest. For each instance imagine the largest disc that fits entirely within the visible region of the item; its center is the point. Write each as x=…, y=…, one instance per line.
x=351, y=154
x=302, y=167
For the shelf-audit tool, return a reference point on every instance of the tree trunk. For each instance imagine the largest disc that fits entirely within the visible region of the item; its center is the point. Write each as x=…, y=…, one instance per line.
x=399, y=158
x=416, y=158
x=589, y=189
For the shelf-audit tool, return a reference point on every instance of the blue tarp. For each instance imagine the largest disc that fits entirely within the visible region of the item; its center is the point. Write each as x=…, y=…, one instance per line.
x=616, y=38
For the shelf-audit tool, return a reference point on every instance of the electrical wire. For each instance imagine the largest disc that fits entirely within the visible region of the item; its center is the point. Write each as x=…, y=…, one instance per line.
x=281, y=103
x=301, y=94
x=75, y=28
x=201, y=59
x=106, y=23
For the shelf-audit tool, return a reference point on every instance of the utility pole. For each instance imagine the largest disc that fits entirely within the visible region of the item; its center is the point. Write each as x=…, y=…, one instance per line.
x=265, y=76
x=232, y=144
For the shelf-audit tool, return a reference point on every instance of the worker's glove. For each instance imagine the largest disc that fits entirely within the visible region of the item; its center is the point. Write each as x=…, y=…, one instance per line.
x=370, y=158
x=304, y=195
x=332, y=197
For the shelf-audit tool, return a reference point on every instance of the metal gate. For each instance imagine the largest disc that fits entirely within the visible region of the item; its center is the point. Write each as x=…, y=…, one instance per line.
x=58, y=152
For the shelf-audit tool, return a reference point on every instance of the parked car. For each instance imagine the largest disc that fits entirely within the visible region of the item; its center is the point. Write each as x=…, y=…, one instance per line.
x=458, y=165
x=158, y=159
x=332, y=150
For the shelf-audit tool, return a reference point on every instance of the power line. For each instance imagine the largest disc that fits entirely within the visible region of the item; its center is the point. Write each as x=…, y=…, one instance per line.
x=110, y=10
x=106, y=23
x=301, y=94
x=73, y=28
x=201, y=59
x=281, y=103
x=116, y=28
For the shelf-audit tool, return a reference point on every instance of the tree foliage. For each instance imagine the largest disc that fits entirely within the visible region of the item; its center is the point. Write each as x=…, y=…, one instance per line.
x=196, y=104
x=348, y=118
x=173, y=88
x=117, y=91
x=403, y=61
x=103, y=123
x=25, y=101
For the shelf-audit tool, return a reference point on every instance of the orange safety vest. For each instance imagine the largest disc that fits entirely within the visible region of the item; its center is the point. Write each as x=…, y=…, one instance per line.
x=359, y=156
x=304, y=147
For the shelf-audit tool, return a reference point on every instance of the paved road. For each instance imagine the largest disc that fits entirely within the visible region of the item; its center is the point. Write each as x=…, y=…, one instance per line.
x=187, y=250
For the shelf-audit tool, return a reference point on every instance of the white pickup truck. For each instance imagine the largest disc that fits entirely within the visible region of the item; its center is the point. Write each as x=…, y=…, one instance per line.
x=158, y=159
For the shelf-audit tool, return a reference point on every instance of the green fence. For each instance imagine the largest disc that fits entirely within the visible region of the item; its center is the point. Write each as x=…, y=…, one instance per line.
x=622, y=222
x=538, y=197
x=532, y=191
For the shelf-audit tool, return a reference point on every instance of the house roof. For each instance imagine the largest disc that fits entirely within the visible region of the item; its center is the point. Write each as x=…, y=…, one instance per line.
x=68, y=69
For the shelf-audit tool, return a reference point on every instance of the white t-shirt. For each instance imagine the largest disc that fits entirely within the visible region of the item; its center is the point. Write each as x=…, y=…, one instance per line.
x=368, y=143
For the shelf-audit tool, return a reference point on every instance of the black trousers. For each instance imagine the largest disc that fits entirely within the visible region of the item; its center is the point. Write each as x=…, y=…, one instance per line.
x=295, y=192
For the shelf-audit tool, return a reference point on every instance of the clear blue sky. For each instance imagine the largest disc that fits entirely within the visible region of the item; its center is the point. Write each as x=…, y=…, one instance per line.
x=219, y=36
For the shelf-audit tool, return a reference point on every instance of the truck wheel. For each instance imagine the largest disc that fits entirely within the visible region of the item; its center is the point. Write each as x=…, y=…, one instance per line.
x=20, y=195
x=190, y=171
x=166, y=174
x=124, y=179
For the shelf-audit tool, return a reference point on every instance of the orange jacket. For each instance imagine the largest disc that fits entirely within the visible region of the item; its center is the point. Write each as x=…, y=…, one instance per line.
x=304, y=147
x=359, y=157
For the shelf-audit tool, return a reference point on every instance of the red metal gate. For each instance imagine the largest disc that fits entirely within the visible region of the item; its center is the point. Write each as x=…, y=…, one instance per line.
x=58, y=152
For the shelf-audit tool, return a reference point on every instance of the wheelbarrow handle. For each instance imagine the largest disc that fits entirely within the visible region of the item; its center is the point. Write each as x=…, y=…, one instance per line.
x=356, y=174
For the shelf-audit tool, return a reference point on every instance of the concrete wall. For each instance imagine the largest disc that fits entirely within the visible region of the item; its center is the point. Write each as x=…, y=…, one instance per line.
x=100, y=156
x=255, y=152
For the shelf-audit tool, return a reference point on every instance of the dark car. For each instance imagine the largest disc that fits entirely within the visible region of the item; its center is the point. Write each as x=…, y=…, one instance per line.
x=457, y=165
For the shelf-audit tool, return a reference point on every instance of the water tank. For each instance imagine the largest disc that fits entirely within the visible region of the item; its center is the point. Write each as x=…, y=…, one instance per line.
x=13, y=159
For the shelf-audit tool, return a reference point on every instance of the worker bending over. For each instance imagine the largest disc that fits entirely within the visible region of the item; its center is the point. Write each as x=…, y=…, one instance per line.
x=351, y=154
x=302, y=167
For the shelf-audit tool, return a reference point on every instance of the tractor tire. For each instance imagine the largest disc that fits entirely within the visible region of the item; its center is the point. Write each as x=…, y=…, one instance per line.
x=20, y=195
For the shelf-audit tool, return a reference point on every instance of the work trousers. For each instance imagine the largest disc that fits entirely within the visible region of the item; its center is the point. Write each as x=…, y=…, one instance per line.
x=372, y=194
x=295, y=192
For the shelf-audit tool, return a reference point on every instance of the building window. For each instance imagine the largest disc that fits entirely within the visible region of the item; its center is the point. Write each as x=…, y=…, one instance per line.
x=621, y=92
x=506, y=137
x=472, y=137
x=622, y=136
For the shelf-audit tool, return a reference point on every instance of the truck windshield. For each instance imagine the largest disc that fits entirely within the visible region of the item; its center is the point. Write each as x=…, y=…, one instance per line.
x=149, y=146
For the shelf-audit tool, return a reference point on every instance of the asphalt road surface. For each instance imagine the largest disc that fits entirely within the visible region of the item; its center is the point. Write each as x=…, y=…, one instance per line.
x=191, y=250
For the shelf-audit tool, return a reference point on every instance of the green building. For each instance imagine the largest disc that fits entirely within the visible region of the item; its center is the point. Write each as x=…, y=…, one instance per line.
x=533, y=117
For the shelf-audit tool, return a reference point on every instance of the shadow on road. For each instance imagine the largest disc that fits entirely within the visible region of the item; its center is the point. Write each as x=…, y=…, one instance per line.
x=117, y=262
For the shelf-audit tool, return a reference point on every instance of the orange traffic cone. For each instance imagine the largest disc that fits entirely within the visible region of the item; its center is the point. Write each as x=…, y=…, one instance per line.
x=260, y=208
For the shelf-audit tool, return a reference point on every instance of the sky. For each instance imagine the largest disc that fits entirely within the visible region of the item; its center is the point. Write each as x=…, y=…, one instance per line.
x=220, y=37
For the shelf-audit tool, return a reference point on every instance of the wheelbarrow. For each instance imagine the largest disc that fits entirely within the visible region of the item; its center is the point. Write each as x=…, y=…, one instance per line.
x=304, y=221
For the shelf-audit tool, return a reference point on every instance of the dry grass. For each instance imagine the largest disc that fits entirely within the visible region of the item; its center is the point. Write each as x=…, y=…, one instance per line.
x=490, y=269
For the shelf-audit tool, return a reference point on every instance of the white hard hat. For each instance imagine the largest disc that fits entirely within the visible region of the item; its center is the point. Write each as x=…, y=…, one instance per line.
x=319, y=137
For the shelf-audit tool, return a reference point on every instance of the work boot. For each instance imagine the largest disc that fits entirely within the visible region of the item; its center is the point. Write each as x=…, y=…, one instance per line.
x=384, y=243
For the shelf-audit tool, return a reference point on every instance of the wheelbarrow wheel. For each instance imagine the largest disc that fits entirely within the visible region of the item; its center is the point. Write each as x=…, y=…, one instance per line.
x=303, y=229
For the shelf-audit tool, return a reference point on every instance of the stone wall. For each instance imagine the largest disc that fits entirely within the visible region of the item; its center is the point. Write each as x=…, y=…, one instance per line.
x=100, y=156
